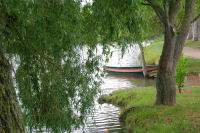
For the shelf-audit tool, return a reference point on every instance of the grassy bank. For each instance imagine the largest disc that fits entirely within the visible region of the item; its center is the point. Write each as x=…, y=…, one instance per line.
x=195, y=44
x=153, y=52
x=193, y=65
x=141, y=116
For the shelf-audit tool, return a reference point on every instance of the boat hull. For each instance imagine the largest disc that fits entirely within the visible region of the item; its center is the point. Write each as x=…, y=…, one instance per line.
x=129, y=70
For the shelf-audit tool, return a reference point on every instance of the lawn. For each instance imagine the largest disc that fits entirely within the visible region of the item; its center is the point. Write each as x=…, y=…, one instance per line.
x=153, y=51
x=141, y=115
x=195, y=44
x=193, y=65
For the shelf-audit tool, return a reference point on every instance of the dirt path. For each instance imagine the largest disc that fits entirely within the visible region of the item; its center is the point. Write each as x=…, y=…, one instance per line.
x=191, y=52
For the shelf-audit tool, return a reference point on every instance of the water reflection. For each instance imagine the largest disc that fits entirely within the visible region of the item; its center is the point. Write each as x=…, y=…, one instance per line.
x=105, y=117
x=125, y=82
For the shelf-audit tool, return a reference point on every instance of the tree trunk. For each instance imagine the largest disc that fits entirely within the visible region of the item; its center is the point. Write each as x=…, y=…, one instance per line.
x=195, y=31
x=198, y=29
x=145, y=73
x=172, y=49
x=10, y=112
x=166, y=83
x=190, y=34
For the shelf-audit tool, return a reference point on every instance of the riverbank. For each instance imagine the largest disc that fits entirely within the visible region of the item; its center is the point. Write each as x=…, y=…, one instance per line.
x=155, y=50
x=140, y=115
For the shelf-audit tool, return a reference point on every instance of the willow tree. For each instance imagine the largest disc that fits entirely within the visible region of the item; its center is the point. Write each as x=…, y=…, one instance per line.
x=175, y=33
x=41, y=58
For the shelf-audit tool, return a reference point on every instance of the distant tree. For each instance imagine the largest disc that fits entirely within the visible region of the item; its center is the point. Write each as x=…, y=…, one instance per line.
x=194, y=33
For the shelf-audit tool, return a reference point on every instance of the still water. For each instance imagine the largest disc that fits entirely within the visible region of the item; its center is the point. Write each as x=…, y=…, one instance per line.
x=105, y=118
x=106, y=115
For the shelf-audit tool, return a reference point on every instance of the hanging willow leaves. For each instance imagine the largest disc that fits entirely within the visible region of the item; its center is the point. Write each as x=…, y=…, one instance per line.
x=56, y=85
x=123, y=23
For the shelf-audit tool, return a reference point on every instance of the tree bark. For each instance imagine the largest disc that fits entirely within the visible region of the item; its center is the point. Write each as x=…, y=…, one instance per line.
x=10, y=113
x=145, y=73
x=166, y=84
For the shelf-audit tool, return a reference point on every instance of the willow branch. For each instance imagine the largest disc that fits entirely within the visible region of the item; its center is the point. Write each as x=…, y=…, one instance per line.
x=165, y=8
x=158, y=10
x=174, y=7
x=145, y=4
x=37, y=51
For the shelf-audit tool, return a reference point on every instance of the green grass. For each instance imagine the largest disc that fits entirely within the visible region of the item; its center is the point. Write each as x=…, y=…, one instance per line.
x=193, y=65
x=190, y=43
x=153, y=52
x=140, y=115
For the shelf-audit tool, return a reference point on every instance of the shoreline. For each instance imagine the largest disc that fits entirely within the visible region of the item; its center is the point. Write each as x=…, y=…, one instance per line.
x=139, y=113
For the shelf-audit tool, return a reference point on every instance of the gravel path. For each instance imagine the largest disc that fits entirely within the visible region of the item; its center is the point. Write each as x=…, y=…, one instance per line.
x=191, y=52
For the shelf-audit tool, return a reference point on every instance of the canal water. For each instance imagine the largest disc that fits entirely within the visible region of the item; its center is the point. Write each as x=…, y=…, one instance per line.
x=105, y=117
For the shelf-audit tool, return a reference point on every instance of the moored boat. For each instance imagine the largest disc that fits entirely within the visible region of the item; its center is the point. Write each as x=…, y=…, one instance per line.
x=129, y=70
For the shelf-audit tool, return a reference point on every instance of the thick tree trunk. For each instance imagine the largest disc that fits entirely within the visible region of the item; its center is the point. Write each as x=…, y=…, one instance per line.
x=10, y=112
x=172, y=49
x=145, y=73
x=166, y=83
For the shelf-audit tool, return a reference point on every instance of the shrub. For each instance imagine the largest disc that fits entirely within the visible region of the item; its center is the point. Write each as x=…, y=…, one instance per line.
x=181, y=72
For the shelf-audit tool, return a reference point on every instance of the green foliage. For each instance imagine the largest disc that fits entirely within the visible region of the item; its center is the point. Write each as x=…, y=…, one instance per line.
x=197, y=6
x=118, y=22
x=124, y=21
x=181, y=72
x=56, y=81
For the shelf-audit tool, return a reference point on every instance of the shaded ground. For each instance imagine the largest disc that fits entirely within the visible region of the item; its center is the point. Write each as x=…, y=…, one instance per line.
x=191, y=52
